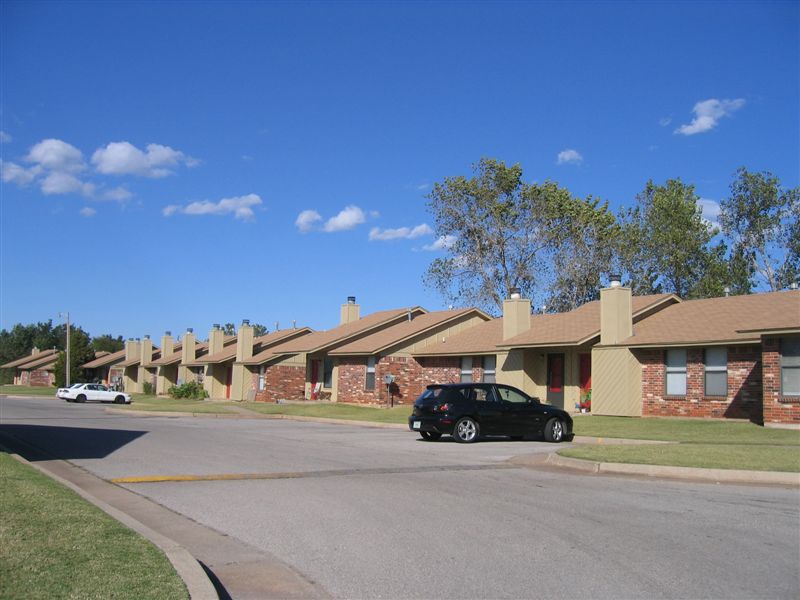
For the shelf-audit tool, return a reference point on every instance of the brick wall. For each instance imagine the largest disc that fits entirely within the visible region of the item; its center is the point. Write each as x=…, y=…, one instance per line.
x=743, y=400
x=281, y=382
x=777, y=408
x=42, y=378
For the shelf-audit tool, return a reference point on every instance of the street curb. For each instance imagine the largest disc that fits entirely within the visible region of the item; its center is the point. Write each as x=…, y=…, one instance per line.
x=189, y=570
x=687, y=473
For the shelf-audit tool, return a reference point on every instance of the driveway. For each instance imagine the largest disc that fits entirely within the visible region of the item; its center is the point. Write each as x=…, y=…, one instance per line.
x=377, y=513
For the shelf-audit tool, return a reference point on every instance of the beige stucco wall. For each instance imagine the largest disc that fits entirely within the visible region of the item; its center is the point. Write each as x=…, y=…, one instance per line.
x=617, y=382
x=434, y=338
x=215, y=380
x=167, y=377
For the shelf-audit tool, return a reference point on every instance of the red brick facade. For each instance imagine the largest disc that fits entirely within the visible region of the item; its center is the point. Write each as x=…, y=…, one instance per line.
x=411, y=376
x=777, y=408
x=281, y=382
x=743, y=400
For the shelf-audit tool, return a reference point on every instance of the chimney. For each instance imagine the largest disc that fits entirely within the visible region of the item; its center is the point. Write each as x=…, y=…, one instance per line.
x=167, y=344
x=350, y=311
x=189, y=349
x=516, y=314
x=216, y=339
x=132, y=349
x=244, y=342
x=147, y=350
x=34, y=351
x=616, y=312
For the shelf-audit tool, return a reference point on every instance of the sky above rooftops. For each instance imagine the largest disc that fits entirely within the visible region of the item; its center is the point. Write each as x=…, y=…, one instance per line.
x=173, y=165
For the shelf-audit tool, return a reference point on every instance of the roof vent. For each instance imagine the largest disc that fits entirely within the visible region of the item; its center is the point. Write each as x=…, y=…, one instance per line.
x=351, y=299
x=294, y=324
x=793, y=285
x=727, y=291
x=615, y=280
x=277, y=325
x=409, y=315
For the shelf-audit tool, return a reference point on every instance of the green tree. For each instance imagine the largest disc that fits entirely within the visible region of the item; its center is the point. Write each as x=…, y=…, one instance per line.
x=259, y=329
x=80, y=353
x=667, y=245
x=107, y=343
x=496, y=232
x=21, y=340
x=229, y=329
x=762, y=220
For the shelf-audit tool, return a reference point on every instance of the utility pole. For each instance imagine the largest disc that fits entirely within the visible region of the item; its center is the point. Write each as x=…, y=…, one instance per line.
x=67, y=361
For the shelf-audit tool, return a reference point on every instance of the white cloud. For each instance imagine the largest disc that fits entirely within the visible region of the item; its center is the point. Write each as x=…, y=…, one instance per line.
x=240, y=207
x=569, y=157
x=5, y=138
x=350, y=216
x=710, y=211
x=86, y=211
x=119, y=193
x=445, y=242
x=58, y=182
x=407, y=233
x=707, y=114
x=306, y=220
x=13, y=173
x=123, y=158
x=664, y=121
x=56, y=155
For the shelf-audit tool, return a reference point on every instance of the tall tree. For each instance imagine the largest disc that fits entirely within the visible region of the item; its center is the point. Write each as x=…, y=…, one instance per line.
x=494, y=229
x=80, y=353
x=667, y=244
x=588, y=248
x=762, y=220
x=107, y=343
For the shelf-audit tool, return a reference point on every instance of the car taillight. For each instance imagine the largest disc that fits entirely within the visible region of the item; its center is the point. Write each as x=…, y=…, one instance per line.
x=442, y=407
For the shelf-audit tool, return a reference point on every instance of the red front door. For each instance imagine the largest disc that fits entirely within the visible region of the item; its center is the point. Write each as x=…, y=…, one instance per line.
x=586, y=372
x=555, y=379
x=228, y=379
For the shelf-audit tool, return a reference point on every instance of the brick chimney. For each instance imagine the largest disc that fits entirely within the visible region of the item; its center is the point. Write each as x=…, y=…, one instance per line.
x=616, y=312
x=216, y=339
x=189, y=348
x=516, y=314
x=167, y=344
x=350, y=311
x=244, y=341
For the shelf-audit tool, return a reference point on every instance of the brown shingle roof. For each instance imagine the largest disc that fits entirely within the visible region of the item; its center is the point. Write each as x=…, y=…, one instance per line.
x=41, y=362
x=277, y=350
x=28, y=358
x=714, y=320
x=106, y=359
x=322, y=340
x=578, y=326
x=481, y=339
x=259, y=343
x=404, y=330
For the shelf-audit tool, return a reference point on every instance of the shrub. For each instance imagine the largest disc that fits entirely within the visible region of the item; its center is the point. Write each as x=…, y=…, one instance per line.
x=191, y=389
x=148, y=388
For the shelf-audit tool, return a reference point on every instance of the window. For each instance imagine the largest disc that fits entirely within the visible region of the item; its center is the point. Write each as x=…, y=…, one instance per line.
x=479, y=394
x=716, y=372
x=369, y=384
x=261, y=371
x=509, y=395
x=790, y=366
x=466, y=369
x=327, y=373
x=489, y=366
x=676, y=372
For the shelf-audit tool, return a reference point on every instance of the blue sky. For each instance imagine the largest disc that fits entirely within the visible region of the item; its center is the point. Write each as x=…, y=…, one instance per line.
x=157, y=156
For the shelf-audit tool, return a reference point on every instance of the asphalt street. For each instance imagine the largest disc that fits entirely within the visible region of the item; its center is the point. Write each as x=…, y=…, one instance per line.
x=377, y=513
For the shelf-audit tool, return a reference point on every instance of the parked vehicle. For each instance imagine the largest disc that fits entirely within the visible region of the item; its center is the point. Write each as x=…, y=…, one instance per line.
x=81, y=392
x=468, y=411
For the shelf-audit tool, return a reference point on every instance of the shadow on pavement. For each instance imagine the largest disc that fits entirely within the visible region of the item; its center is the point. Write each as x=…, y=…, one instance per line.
x=46, y=442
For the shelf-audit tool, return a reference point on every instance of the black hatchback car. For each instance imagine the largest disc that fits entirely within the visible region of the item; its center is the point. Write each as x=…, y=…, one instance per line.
x=468, y=411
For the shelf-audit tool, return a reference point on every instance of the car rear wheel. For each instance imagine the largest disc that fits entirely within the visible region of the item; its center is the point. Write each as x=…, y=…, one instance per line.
x=80, y=398
x=430, y=436
x=119, y=400
x=554, y=431
x=466, y=430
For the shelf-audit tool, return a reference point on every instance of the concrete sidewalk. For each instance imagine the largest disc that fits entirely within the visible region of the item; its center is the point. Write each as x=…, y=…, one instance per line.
x=212, y=565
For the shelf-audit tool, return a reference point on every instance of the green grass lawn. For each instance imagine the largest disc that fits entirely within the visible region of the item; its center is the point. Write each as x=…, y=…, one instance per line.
x=701, y=443
x=54, y=544
x=167, y=404
x=398, y=414
x=26, y=390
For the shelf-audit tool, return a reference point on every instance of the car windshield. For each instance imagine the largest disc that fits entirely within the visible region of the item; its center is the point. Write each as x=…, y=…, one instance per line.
x=431, y=393
x=75, y=385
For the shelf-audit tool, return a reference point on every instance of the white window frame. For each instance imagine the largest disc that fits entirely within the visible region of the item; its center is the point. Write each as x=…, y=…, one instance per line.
x=715, y=369
x=793, y=363
x=675, y=370
x=261, y=378
x=466, y=372
x=370, y=371
x=492, y=373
